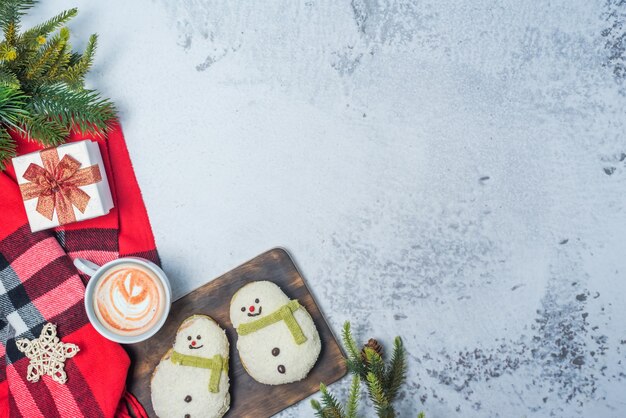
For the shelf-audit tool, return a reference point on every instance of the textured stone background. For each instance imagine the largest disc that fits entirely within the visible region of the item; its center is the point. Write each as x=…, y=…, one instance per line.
x=450, y=171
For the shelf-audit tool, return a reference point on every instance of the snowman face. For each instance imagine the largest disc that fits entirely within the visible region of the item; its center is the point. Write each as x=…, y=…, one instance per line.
x=196, y=335
x=254, y=301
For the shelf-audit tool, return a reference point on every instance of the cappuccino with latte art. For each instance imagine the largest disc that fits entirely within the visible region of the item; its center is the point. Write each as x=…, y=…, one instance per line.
x=128, y=299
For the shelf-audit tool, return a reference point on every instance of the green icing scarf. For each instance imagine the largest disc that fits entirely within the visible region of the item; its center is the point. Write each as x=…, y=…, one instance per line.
x=215, y=364
x=285, y=313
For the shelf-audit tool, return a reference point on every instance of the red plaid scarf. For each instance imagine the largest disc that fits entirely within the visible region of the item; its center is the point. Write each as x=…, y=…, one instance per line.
x=39, y=284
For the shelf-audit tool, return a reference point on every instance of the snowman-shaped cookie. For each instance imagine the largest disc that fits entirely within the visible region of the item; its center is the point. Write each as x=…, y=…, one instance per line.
x=277, y=339
x=191, y=381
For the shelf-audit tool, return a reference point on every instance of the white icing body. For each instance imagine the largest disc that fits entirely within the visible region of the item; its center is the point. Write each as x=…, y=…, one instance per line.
x=172, y=383
x=257, y=350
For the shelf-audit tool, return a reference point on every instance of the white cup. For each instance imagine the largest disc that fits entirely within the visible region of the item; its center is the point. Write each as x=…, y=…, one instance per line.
x=96, y=272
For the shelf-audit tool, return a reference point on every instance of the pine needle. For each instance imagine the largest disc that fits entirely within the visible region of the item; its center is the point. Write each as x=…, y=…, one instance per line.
x=46, y=28
x=10, y=33
x=7, y=52
x=353, y=397
x=86, y=108
x=45, y=130
x=318, y=408
x=377, y=394
x=62, y=60
x=8, y=79
x=12, y=10
x=376, y=366
x=331, y=406
x=354, y=362
x=396, y=375
x=47, y=55
x=7, y=148
x=12, y=102
x=75, y=74
x=349, y=342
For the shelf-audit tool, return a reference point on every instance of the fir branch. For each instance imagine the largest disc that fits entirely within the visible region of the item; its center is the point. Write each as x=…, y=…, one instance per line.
x=421, y=415
x=376, y=365
x=74, y=58
x=7, y=52
x=349, y=341
x=12, y=114
x=46, y=28
x=10, y=34
x=331, y=406
x=376, y=384
x=12, y=103
x=8, y=79
x=396, y=374
x=12, y=10
x=45, y=130
x=356, y=367
x=7, y=147
x=375, y=389
x=353, y=397
x=61, y=62
x=382, y=381
x=48, y=55
x=84, y=108
x=377, y=395
x=42, y=79
x=319, y=412
x=354, y=362
x=75, y=74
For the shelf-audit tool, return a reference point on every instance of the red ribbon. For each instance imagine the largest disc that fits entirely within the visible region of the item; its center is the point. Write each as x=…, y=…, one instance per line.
x=55, y=185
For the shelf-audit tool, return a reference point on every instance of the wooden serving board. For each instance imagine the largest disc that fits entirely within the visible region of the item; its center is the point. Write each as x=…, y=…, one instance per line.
x=248, y=397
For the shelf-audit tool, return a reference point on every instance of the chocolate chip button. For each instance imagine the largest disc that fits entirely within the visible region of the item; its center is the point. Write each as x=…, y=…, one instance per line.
x=187, y=398
x=281, y=369
x=275, y=351
x=187, y=416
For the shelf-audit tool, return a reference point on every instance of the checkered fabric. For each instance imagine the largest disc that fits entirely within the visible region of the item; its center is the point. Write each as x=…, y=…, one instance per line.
x=39, y=284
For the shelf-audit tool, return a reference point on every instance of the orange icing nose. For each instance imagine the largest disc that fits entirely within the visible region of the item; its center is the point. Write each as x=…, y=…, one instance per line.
x=129, y=300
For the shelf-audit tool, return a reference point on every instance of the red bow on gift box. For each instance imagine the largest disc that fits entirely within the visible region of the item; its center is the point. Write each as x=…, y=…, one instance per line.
x=56, y=185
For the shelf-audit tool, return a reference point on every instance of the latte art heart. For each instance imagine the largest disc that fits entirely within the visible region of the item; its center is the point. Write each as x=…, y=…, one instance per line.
x=129, y=299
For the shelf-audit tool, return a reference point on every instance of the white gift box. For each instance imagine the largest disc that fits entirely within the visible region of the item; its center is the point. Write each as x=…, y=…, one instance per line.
x=87, y=153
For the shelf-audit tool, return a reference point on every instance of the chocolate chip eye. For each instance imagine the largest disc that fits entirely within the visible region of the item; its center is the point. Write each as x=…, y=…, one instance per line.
x=199, y=336
x=243, y=309
x=189, y=338
x=256, y=300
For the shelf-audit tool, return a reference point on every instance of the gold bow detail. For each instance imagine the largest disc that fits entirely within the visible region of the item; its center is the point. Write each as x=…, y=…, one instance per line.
x=56, y=185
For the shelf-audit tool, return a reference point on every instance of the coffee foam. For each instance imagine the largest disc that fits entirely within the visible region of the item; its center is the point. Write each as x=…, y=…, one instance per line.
x=129, y=299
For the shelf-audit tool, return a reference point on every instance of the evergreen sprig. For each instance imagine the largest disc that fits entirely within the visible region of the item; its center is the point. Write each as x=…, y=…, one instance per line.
x=50, y=25
x=42, y=90
x=12, y=107
x=12, y=10
x=378, y=397
x=354, y=362
x=383, y=381
x=332, y=408
x=353, y=397
x=396, y=375
x=7, y=146
x=84, y=108
x=75, y=74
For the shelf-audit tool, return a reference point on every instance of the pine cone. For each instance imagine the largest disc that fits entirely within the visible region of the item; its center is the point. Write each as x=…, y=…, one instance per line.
x=374, y=345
